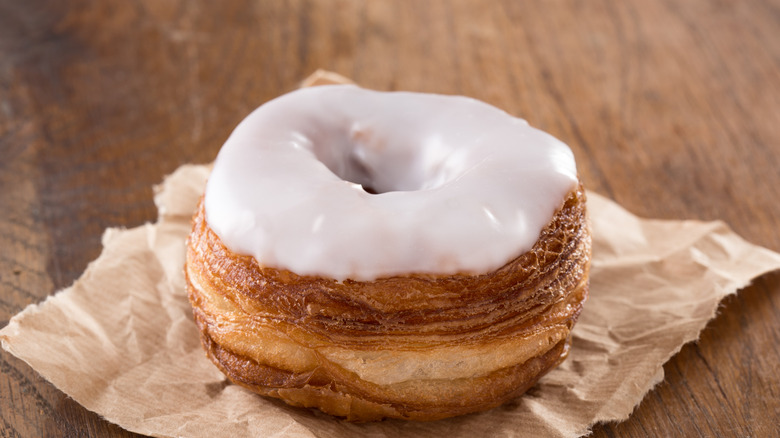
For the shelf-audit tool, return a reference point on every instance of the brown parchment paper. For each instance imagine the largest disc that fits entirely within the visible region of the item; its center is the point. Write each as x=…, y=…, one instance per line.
x=121, y=341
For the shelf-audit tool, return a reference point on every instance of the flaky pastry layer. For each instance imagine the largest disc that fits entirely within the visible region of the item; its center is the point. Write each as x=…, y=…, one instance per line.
x=419, y=347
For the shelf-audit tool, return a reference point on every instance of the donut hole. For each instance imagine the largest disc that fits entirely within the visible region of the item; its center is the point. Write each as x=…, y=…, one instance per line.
x=354, y=170
x=365, y=157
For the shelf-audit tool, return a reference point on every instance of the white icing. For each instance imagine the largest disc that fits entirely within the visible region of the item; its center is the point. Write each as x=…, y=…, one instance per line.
x=463, y=186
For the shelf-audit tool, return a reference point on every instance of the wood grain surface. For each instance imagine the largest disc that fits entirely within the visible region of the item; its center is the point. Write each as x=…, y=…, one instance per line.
x=672, y=109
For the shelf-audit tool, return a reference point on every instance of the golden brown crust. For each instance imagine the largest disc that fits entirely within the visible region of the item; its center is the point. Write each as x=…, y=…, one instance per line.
x=419, y=347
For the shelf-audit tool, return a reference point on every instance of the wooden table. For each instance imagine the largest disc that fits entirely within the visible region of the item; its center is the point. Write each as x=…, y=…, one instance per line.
x=672, y=109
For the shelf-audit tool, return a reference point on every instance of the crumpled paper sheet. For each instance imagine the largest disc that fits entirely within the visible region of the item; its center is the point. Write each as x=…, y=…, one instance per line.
x=121, y=341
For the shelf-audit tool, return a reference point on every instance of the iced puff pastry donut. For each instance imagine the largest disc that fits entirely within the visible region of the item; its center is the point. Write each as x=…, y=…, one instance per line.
x=396, y=255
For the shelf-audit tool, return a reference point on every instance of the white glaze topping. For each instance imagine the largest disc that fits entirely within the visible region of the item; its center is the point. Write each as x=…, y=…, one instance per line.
x=462, y=186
